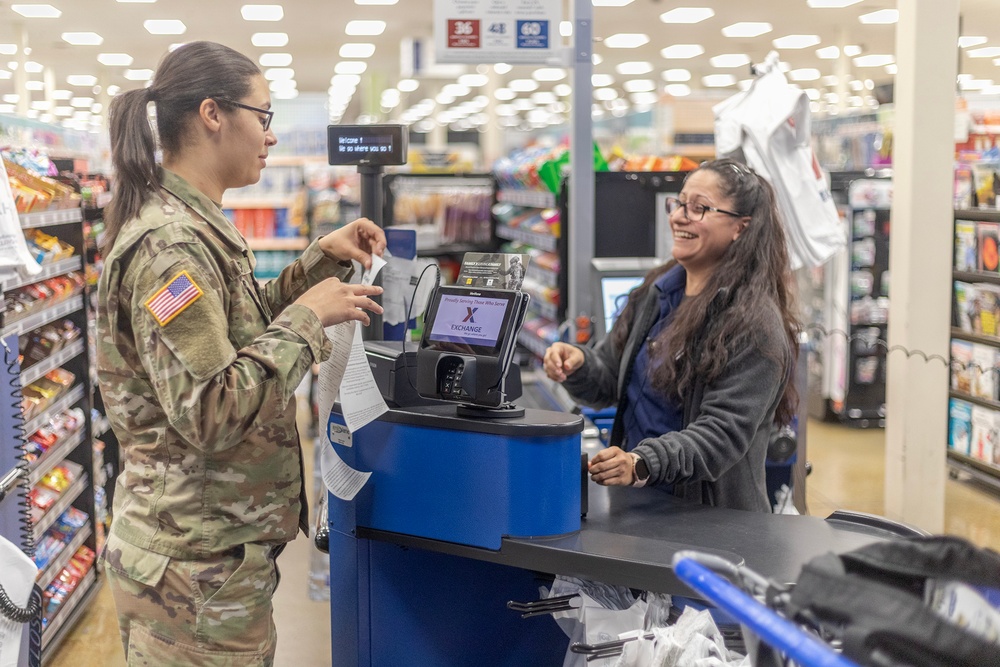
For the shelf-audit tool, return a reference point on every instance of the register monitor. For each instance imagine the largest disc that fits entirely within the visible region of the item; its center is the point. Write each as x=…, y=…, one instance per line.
x=468, y=345
x=614, y=278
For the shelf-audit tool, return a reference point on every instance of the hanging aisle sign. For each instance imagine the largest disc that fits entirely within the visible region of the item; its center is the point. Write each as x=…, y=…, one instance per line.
x=498, y=31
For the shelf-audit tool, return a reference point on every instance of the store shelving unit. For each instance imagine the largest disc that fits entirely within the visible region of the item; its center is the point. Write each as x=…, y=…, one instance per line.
x=974, y=405
x=72, y=449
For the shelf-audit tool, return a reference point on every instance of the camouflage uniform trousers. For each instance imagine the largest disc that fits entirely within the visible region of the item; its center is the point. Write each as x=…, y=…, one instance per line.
x=214, y=612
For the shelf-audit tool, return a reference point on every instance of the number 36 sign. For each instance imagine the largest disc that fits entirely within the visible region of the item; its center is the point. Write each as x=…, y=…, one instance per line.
x=493, y=31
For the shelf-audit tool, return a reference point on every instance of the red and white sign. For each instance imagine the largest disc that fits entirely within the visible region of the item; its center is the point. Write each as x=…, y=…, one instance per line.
x=463, y=33
x=498, y=31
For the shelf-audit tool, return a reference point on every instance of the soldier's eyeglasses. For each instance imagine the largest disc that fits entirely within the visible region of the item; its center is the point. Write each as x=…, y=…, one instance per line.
x=265, y=121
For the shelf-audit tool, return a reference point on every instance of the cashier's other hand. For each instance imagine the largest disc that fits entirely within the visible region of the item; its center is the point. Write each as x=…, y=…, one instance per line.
x=611, y=467
x=334, y=301
x=561, y=361
x=358, y=241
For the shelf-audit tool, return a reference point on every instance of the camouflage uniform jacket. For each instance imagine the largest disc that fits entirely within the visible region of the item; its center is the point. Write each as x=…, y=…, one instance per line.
x=201, y=399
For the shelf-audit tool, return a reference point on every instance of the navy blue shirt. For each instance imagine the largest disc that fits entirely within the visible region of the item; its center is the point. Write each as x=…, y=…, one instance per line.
x=648, y=412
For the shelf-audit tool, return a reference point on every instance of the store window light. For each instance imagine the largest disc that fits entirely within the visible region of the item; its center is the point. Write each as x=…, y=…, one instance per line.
x=964, y=41
x=626, y=40
x=634, y=68
x=114, y=59
x=82, y=38
x=682, y=51
x=36, y=11
x=269, y=39
x=796, y=41
x=828, y=53
x=275, y=59
x=357, y=50
x=687, y=15
x=262, y=12
x=164, y=27
x=365, y=27
x=727, y=60
x=881, y=17
x=718, y=80
x=747, y=29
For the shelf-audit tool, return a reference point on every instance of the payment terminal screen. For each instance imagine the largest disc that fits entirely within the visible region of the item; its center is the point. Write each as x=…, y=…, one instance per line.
x=614, y=293
x=472, y=320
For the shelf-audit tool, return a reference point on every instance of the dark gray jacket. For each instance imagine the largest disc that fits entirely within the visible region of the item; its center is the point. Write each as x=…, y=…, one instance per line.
x=718, y=458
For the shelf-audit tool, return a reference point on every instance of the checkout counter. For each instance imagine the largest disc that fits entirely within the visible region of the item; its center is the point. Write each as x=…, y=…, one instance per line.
x=465, y=512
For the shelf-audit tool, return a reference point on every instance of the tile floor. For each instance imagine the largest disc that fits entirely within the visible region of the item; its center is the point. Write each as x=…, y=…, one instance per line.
x=847, y=473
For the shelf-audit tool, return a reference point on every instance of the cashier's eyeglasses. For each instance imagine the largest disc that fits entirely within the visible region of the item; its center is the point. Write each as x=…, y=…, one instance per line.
x=694, y=211
x=265, y=121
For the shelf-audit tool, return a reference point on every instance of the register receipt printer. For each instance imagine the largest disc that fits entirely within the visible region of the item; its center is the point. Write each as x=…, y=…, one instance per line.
x=467, y=347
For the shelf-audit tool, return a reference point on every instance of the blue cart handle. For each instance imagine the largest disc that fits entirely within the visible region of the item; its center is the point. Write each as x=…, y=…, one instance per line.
x=772, y=629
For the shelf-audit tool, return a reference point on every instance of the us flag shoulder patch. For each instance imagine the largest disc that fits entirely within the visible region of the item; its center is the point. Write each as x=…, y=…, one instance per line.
x=171, y=299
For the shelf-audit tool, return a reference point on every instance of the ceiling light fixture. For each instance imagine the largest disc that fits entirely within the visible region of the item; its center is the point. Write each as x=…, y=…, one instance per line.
x=34, y=85
x=678, y=89
x=605, y=94
x=138, y=74
x=36, y=11
x=634, y=68
x=747, y=29
x=275, y=73
x=874, y=60
x=611, y=3
x=262, y=12
x=365, y=27
x=473, y=80
x=275, y=59
x=626, y=40
x=804, y=74
x=566, y=28
x=32, y=67
x=970, y=40
x=523, y=85
x=408, y=85
x=730, y=60
x=504, y=94
x=831, y=4
x=676, y=75
x=502, y=68
x=601, y=80
x=549, y=74
x=269, y=39
x=164, y=27
x=357, y=50
x=83, y=38
x=8, y=49
x=639, y=85
x=687, y=15
x=718, y=80
x=828, y=53
x=682, y=51
x=375, y=2
x=81, y=80
x=985, y=52
x=114, y=59
x=881, y=17
x=852, y=50
x=4, y=74
x=350, y=67
x=796, y=41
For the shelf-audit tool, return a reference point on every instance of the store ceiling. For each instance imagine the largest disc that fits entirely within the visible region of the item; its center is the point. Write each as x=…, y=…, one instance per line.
x=316, y=31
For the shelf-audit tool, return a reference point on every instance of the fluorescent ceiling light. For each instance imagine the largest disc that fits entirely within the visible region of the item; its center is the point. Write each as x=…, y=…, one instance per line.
x=747, y=29
x=176, y=45
x=796, y=41
x=549, y=74
x=611, y=3
x=718, y=80
x=357, y=50
x=682, y=51
x=275, y=59
x=687, y=15
x=138, y=74
x=601, y=80
x=7, y=108
x=269, y=39
x=985, y=52
x=375, y=2
x=566, y=28
x=34, y=85
x=828, y=53
x=145, y=2
x=11, y=98
x=605, y=94
x=81, y=102
x=63, y=111
x=874, y=60
x=408, y=85
x=164, y=27
x=678, y=89
x=365, y=27
x=4, y=74
x=112, y=91
x=639, y=85
x=114, y=59
x=32, y=67
x=502, y=68
x=348, y=80
x=563, y=89
x=543, y=97
x=523, y=85
x=262, y=12
x=83, y=38
x=881, y=17
x=804, y=74
x=281, y=84
x=643, y=99
x=286, y=94
x=350, y=67
x=81, y=80
x=37, y=11
x=473, y=80
x=812, y=93
x=975, y=84
x=8, y=49
x=964, y=42
x=730, y=60
x=455, y=90
x=856, y=85
x=830, y=80
x=676, y=75
x=522, y=104
x=12, y=65
x=504, y=94
x=852, y=50
x=626, y=40
x=634, y=67
x=275, y=73
x=831, y=4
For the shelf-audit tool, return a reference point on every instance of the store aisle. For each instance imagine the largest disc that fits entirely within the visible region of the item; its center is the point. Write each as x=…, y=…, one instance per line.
x=848, y=468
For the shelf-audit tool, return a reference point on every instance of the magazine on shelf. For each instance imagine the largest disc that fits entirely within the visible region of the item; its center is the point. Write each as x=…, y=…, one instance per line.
x=984, y=358
x=984, y=433
x=966, y=308
x=961, y=366
x=959, y=426
x=988, y=237
x=966, y=258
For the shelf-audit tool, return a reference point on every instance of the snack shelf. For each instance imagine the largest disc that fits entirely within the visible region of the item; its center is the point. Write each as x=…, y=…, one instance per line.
x=43, y=317
x=984, y=402
x=53, y=569
x=977, y=277
x=51, y=362
x=73, y=607
x=49, y=218
x=974, y=338
x=48, y=271
x=55, y=455
x=530, y=198
x=535, y=344
x=263, y=244
x=66, y=498
x=547, y=310
x=542, y=241
x=543, y=276
x=981, y=471
x=58, y=405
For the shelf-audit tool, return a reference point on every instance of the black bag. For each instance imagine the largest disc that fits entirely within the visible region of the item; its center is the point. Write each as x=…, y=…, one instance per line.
x=873, y=600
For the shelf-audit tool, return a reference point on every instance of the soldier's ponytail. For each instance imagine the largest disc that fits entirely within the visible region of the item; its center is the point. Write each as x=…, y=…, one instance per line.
x=185, y=77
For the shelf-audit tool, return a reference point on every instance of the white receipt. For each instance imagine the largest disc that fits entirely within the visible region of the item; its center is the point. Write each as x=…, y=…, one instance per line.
x=340, y=479
x=17, y=575
x=331, y=371
x=396, y=282
x=368, y=277
x=360, y=397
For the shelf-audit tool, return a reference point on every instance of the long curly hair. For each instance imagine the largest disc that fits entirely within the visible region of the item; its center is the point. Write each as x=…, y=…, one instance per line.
x=733, y=305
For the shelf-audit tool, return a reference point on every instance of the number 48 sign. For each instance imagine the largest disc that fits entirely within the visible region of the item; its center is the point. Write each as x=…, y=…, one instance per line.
x=491, y=31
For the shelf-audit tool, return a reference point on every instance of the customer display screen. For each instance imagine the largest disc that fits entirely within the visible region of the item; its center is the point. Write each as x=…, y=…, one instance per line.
x=367, y=144
x=468, y=320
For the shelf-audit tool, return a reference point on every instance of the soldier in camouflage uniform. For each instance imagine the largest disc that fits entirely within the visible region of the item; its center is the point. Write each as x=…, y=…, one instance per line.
x=198, y=364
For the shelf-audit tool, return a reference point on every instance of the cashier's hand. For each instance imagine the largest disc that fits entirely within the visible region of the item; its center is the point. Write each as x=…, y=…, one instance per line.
x=561, y=361
x=335, y=302
x=611, y=467
x=358, y=241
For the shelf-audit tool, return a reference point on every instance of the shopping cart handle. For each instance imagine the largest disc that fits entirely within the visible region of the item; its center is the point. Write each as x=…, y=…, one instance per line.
x=774, y=630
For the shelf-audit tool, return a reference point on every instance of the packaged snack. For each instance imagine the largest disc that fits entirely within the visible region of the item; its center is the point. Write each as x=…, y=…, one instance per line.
x=42, y=498
x=58, y=479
